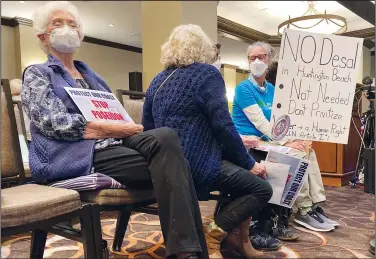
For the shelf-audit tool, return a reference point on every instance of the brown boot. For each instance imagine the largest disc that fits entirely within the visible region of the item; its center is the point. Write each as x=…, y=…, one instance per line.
x=214, y=236
x=238, y=240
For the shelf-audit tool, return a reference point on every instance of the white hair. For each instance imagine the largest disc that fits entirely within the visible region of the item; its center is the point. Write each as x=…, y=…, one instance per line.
x=42, y=17
x=186, y=45
x=270, y=51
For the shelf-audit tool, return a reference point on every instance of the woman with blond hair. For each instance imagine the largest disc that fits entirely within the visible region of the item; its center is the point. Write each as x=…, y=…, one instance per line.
x=189, y=97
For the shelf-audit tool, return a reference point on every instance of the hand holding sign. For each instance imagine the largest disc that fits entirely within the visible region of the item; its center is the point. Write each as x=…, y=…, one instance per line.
x=259, y=170
x=296, y=144
x=315, y=86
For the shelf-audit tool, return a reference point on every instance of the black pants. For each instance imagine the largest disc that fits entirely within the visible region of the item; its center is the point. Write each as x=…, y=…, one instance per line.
x=249, y=195
x=155, y=159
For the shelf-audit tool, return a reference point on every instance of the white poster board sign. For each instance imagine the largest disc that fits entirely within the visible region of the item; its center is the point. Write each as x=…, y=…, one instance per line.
x=277, y=178
x=98, y=106
x=297, y=175
x=315, y=85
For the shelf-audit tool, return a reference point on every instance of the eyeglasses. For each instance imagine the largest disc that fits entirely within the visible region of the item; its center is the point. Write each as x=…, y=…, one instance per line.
x=60, y=23
x=260, y=57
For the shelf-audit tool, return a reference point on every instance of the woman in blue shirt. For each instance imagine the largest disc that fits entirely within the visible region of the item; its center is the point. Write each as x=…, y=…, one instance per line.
x=251, y=114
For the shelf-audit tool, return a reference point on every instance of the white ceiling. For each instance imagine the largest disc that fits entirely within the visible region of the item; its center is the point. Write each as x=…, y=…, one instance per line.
x=264, y=16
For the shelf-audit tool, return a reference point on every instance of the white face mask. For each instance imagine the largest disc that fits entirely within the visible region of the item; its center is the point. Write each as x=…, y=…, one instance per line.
x=258, y=67
x=65, y=39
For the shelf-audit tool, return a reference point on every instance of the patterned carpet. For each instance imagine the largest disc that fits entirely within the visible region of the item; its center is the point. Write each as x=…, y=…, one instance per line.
x=353, y=208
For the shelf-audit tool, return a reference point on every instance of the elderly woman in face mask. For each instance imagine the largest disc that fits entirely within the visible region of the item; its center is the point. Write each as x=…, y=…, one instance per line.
x=64, y=145
x=251, y=115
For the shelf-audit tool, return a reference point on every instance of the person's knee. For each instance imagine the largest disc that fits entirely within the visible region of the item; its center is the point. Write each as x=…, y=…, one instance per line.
x=167, y=137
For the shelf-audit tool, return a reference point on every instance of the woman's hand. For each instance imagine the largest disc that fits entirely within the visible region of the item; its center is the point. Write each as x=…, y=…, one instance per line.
x=101, y=130
x=250, y=141
x=308, y=144
x=297, y=144
x=259, y=170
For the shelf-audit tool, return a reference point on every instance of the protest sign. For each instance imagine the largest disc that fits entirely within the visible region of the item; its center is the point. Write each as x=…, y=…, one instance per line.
x=297, y=175
x=315, y=86
x=277, y=178
x=98, y=106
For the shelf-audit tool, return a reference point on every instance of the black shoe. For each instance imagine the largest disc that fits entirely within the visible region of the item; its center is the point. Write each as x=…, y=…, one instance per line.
x=286, y=234
x=280, y=228
x=372, y=247
x=265, y=242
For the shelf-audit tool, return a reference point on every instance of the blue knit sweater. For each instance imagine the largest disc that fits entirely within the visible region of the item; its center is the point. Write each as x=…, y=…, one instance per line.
x=194, y=104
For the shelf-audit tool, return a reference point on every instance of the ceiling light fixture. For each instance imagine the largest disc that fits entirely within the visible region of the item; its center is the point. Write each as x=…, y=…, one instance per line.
x=21, y=2
x=313, y=21
x=111, y=25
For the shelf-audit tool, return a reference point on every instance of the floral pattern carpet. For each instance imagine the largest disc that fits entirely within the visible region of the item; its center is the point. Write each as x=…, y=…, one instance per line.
x=352, y=208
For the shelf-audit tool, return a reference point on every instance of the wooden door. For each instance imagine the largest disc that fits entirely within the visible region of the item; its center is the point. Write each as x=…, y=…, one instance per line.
x=327, y=156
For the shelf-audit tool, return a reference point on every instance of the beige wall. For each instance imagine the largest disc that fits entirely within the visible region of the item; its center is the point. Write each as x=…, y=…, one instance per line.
x=234, y=52
x=8, y=63
x=29, y=48
x=155, y=31
x=241, y=77
x=202, y=13
x=110, y=63
x=158, y=20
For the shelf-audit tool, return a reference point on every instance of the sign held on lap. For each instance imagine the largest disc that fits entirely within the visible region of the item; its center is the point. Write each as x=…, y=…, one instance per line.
x=292, y=182
x=98, y=106
x=315, y=86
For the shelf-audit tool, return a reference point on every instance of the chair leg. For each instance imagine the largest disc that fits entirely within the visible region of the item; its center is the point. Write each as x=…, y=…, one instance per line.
x=101, y=245
x=38, y=243
x=121, y=228
x=87, y=230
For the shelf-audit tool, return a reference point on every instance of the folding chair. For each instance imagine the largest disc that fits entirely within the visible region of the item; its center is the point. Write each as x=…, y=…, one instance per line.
x=38, y=208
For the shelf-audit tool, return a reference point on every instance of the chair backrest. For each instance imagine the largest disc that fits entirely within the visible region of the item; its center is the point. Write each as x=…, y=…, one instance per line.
x=133, y=107
x=23, y=123
x=11, y=158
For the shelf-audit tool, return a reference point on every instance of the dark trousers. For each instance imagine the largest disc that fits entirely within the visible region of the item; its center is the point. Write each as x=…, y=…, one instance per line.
x=155, y=159
x=249, y=195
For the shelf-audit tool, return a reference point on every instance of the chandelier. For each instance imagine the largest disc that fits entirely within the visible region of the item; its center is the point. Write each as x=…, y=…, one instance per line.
x=313, y=21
